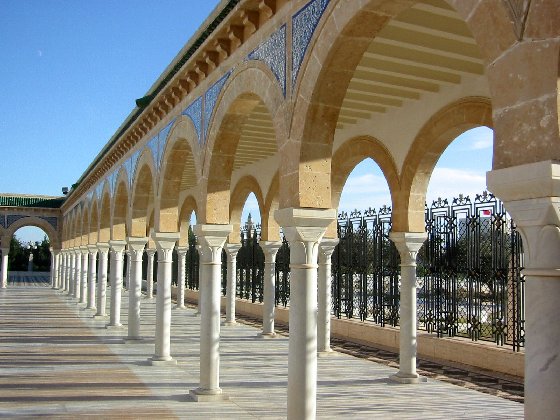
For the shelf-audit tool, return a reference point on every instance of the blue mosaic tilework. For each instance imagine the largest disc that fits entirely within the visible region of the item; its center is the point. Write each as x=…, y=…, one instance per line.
x=131, y=166
x=273, y=53
x=153, y=145
x=99, y=190
x=162, y=141
x=13, y=218
x=53, y=221
x=304, y=23
x=194, y=112
x=210, y=99
x=3, y=221
x=90, y=196
x=112, y=180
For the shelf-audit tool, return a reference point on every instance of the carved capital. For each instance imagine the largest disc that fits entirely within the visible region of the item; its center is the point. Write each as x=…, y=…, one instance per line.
x=165, y=243
x=212, y=239
x=232, y=250
x=408, y=244
x=270, y=249
x=326, y=249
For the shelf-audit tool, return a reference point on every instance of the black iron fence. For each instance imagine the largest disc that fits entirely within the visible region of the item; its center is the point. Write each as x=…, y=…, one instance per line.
x=469, y=280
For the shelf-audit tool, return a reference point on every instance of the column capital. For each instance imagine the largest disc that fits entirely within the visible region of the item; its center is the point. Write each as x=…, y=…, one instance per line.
x=305, y=225
x=232, y=249
x=182, y=250
x=117, y=246
x=92, y=249
x=408, y=244
x=270, y=249
x=103, y=247
x=84, y=249
x=5, y=251
x=150, y=252
x=165, y=243
x=212, y=239
x=326, y=249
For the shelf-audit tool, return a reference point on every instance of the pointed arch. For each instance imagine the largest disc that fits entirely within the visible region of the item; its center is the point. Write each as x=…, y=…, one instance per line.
x=53, y=235
x=249, y=87
x=143, y=192
x=120, y=207
x=105, y=215
x=245, y=186
x=93, y=235
x=188, y=206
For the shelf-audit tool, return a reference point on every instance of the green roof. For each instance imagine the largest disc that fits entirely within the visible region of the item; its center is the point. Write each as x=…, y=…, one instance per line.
x=29, y=201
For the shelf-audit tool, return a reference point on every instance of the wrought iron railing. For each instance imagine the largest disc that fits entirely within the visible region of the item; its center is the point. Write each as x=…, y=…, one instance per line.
x=469, y=280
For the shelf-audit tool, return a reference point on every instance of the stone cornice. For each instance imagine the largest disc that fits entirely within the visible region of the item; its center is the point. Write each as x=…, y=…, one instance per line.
x=229, y=26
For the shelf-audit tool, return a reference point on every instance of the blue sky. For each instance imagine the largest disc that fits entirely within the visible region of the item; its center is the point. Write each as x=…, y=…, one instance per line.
x=73, y=68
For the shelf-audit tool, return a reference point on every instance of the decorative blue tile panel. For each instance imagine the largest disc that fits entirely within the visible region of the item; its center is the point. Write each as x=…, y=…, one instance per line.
x=12, y=218
x=210, y=99
x=194, y=112
x=153, y=145
x=53, y=221
x=3, y=221
x=162, y=141
x=304, y=23
x=131, y=165
x=90, y=196
x=112, y=180
x=273, y=53
x=99, y=190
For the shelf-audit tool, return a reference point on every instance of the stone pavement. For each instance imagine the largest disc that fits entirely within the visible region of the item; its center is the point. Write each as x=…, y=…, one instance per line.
x=58, y=362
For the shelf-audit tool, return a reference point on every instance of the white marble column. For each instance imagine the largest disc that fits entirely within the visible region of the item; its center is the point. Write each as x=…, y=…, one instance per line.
x=117, y=249
x=62, y=287
x=531, y=194
x=71, y=272
x=58, y=280
x=165, y=242
x=55, y=254
x=4, y=280
x=408, y=245
x=231, y=283
x=270, y=250
x=126, y=278
x=303, y=229
x=324, y=301
x=211, y=239
x=103, y=249
x=77, y=273
x=150, y=273
x=92, y=276
x=181, y=256
x=84, y=274
x=136, y=250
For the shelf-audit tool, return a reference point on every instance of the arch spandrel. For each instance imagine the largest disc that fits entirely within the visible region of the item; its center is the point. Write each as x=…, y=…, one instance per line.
x=143, y=194
x=248, y=87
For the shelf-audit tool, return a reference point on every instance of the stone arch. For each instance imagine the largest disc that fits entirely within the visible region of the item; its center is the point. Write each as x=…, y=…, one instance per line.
x=120, y=207
x=143, y=191
x=188, y=206
x=93, y=235
x=428, y=146
x=84, y=224
x=179, y=172
x=105, y=215
x=52, y=233
x=337, y=47
x=75, y=226
x=249, y=86
x=245, y=186
x=270, y=230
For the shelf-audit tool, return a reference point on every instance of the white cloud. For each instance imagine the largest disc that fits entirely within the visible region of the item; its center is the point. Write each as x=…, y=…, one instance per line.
x=449, y=183
x=479, y=138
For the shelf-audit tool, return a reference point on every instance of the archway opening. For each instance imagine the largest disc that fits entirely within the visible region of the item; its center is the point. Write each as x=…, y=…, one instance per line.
x=29, y=258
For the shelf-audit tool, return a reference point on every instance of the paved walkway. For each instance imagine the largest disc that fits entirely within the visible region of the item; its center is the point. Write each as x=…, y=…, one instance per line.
x=58, y=362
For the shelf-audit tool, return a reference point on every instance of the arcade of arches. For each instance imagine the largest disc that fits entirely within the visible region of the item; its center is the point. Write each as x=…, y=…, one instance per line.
x=283, y=98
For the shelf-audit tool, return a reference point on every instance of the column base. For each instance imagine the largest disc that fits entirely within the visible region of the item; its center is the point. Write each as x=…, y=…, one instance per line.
x=402, y=378
x=229, y=323
x=96, y=316
x=157, y=361
x=327, y=353
x=180, y=307
x=208, y=395
x=92, y=308
x=266, y=336
x=114, y=326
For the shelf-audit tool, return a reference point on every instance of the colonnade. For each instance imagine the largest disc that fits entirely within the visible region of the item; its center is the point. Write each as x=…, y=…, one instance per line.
x=310, y=299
